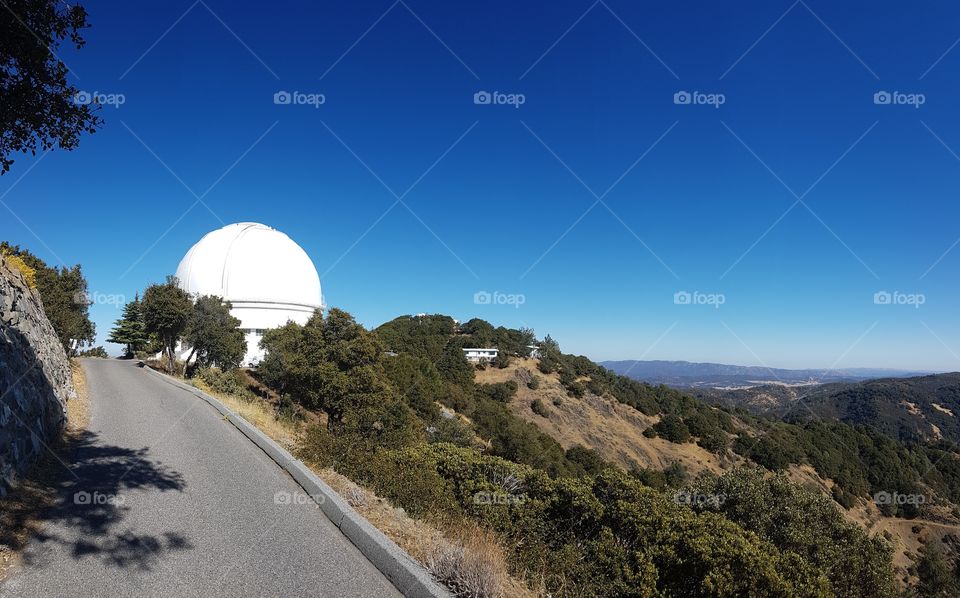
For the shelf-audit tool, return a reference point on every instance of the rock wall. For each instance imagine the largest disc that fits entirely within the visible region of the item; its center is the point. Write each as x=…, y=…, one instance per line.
x=35, y=378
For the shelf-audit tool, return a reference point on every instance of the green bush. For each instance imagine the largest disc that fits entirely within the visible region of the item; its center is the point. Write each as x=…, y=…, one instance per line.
x=804, y=523
x=97, y=351
x=671, y=427
x=539, y=408
x=596, y=536
x=231, y=382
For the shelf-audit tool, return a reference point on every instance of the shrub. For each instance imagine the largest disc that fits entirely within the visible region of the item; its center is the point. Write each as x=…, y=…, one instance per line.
x=843, y=498
x=534, y=383
x=29, y=274
x=671, y=427
x=229, y=383
x=450, y=430
x=803, y=523
x=97, y=351
x=501, y=392
x=539, y=408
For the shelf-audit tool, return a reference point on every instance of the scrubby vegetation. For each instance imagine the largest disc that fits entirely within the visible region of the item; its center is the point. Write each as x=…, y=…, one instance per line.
x=405, y=417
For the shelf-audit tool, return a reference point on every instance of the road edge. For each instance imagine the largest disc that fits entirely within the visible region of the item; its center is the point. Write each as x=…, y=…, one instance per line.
x=406, y=574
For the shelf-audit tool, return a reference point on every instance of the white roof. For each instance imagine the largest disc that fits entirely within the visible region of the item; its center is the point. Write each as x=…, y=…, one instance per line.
x=249, y=262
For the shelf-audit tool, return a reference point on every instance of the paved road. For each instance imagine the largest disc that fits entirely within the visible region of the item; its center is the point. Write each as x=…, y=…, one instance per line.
x=164, y=498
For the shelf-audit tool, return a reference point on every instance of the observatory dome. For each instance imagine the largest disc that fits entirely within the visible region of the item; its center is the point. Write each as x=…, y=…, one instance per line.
x=266, y=276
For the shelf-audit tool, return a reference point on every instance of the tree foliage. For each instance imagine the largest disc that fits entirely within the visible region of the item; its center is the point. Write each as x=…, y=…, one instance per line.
x=130, y=329
x=214, y=336
x=333, y=364
x=38, y=107
x=166, y=311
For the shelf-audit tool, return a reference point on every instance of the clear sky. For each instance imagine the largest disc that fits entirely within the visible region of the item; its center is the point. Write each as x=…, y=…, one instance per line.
x=792, y=197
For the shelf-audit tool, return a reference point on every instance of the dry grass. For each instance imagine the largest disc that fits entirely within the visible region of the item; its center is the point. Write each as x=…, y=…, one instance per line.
x=466, y=558
x=463, y=556
x=20, y=509
x=604, y=424
x=474, y=567
x=78, y=408
x=259, y=413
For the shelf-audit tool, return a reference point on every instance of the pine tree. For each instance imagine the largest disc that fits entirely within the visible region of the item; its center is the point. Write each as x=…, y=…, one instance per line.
x=129, y=330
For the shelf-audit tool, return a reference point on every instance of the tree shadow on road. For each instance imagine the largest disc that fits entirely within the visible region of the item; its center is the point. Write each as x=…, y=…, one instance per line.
x=76, y=502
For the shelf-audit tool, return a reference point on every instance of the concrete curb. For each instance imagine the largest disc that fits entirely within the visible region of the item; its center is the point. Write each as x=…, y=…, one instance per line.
x=407, y=575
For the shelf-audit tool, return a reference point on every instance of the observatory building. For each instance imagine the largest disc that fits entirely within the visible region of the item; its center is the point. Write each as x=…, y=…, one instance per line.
x=268, y=279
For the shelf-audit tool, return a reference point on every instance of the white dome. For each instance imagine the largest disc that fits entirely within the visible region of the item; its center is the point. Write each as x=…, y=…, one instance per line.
x=267, y=277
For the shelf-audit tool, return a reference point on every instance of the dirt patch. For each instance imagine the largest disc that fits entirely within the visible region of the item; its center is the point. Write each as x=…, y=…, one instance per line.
x=942, y=409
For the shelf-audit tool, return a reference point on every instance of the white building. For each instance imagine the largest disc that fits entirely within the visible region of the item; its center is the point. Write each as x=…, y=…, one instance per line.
x=268, y=278
x=475, y=355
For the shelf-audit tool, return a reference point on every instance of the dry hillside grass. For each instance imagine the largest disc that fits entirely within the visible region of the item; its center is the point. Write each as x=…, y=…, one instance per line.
x=604, y=424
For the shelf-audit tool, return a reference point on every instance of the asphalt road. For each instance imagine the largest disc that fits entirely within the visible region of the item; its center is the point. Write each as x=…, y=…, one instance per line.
x=165, y=498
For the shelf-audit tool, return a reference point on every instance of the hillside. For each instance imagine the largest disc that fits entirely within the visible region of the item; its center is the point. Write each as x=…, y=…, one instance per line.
x=921, y=409
x=593, y=483
x=924, y=409
x=601, y=423
x=615, y=431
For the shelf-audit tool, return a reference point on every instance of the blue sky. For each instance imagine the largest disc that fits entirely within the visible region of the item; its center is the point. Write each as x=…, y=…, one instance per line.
x=597, y=200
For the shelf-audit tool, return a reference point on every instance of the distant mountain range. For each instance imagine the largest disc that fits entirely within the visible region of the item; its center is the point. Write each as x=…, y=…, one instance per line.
x=687, y=374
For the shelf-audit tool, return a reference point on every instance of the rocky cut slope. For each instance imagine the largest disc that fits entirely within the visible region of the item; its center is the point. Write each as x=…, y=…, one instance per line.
x=35, y=377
